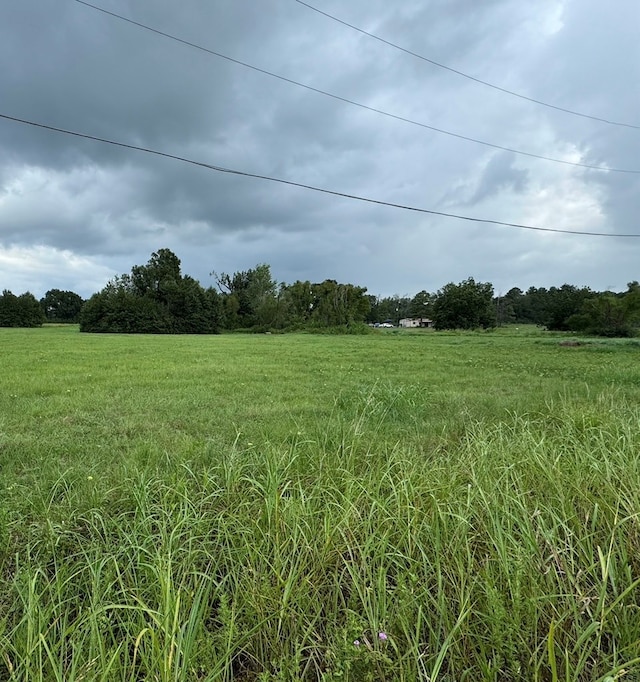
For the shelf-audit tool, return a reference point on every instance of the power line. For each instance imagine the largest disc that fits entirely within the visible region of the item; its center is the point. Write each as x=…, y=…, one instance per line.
x=350, y=101
x=463, y=74
x=344, y=195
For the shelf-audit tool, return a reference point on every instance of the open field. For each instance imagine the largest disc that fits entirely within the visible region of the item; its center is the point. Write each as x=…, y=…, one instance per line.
x=262, y=507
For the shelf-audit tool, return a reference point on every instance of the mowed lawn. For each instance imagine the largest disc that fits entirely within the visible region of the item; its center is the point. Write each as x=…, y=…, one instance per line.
x=394, y=506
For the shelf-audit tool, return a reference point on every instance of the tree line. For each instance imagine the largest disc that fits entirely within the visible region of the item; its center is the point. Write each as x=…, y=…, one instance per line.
x=158, y=298
x=472, y=305
x=26, y=311
x=570, y=308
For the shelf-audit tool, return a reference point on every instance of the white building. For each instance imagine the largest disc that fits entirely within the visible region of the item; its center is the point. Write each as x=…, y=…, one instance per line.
x=409, y=322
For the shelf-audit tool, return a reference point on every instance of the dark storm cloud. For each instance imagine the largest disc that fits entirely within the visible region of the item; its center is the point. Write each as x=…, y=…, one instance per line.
x=64, y=64
x=87, y=71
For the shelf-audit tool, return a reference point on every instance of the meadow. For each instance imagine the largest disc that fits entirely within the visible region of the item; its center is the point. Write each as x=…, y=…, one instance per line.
x=393, y=506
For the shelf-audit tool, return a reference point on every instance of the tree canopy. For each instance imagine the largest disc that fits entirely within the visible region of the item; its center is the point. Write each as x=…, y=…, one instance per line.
x=467, y=305
x=61, y=306
x=249, y=298
x=609, y=314
x=20, y=311
x=154, y=299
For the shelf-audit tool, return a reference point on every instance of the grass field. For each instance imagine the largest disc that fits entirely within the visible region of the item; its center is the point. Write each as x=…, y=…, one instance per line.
x=396, y=506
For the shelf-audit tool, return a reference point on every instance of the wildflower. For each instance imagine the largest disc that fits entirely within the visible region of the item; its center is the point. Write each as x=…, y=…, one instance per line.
x=356, y=642
x=382, y=636
x=89, y=478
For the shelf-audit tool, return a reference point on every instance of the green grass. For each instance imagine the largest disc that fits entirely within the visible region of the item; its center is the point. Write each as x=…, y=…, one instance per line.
x=247, y=507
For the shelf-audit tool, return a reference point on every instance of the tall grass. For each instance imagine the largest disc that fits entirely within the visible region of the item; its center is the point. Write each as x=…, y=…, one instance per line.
x=491, y=545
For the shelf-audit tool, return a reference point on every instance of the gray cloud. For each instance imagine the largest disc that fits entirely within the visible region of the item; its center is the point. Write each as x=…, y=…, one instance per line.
x=66, y=200
x=499, y=175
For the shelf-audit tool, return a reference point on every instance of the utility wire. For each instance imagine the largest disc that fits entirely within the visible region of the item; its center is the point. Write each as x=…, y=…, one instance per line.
x=350, y=101
x=463, y=74
x=301, y=185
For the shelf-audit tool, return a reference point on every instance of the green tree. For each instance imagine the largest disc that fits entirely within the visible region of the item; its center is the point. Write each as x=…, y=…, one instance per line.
x=468, y=305
x=154, y=298
x=392, y=308
x=325, y=304
x=250, y=297
x=337, y=304
x=9, y=310
x=61, y=306
x=422, y=305
x=505, y=310
x=531, y=307
x=192, y=309
x=562, y=303
x=512, y=303
x=230, y=311
x=20, y=311
x=31, y=312
x=609, y=314
x=118, y=310
x=158, y=278
x=297, y=301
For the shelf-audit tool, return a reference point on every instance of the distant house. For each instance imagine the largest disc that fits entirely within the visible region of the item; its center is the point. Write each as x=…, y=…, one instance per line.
x=409, y=322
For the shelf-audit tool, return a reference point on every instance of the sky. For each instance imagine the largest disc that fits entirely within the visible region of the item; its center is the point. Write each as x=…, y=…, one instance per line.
x=75, y=212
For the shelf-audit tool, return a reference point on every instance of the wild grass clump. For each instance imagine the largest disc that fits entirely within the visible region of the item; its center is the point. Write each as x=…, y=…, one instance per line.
x=472, y=543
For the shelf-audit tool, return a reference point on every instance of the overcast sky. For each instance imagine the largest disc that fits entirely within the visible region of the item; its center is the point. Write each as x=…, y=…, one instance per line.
x=75, y=212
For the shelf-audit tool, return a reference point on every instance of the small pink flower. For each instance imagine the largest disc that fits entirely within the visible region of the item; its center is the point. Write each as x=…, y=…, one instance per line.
x=382, y=636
